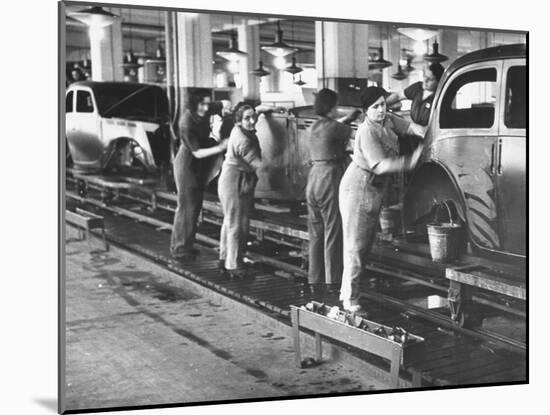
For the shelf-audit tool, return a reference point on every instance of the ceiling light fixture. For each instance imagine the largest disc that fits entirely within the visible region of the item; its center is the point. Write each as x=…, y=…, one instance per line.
x=417, y=33
x=279, y=47
x=435, y=56
x=399, y=75
x=260, y=71
x=293, y=69
x=299, y=82
x=380, y=62
x=232, y=53
x=94, y=17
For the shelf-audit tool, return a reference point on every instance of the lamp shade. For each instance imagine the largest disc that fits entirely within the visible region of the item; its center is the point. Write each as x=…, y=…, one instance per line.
x=435, y=56
x=94, y=17
x=399, y=75
x=232, y=53
x=279, y=47
x=417, y=33
x=260, y=71
x=293, y=69
x=379, y=62
x=299, y=82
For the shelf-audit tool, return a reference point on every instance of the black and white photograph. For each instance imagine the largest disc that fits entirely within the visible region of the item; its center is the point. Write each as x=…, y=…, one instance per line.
x=264, y=206
x=275, y=207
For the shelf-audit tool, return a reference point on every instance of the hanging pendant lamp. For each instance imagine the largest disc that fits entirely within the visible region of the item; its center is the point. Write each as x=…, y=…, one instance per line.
x=232, y=53
x=299, y=82
x=159, y=52
x=260, y=71
x=380, y=62
x=130, y=62
x=94, y=16
x=435, y=56
x=279, y=47
x=293, y=69
x=399, y=75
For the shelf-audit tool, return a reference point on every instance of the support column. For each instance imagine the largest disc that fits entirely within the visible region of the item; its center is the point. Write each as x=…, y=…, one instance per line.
x=194, y=52
x=341, y=55
x=249, y=42
x=106, y=52
x=448, y=45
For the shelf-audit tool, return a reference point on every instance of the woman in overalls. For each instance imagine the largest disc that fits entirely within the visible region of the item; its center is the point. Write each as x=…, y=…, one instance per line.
x=364, y=184
x=326, y=142
x=236, y=189
x=189, y=173
x=421, y=94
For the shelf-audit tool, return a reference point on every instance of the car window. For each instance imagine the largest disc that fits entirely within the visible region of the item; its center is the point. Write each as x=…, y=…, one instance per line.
x=69, y=102
x=84, y=102
x=515, y=115
x=469, y=102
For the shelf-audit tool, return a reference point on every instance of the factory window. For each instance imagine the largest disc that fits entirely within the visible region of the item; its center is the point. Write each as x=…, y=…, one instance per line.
x=69, y=102
x=84, y=102
x=470, y=100
x=516, y=98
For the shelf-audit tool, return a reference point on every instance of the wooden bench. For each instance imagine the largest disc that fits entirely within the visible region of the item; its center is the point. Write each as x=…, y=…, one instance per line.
x=361, y=339
x=462, y=279
x=86, y=221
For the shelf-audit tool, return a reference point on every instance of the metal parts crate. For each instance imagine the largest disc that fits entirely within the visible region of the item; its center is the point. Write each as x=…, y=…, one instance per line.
x=397, y=353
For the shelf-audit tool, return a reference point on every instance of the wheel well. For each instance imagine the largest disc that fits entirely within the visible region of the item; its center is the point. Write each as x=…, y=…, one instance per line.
x=425, y=193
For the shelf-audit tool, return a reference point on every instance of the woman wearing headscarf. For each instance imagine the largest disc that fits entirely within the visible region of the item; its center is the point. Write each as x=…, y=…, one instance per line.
x=189, y=172
x=364, y=185
x=326, y=143
x=236, y=187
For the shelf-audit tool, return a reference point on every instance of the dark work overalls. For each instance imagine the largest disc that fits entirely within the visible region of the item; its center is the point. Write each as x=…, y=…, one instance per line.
x=326, y=142
x=419, y=113
x=188, y=175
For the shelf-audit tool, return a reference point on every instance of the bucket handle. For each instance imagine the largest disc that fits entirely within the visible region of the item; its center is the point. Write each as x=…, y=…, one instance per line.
x=446, y=204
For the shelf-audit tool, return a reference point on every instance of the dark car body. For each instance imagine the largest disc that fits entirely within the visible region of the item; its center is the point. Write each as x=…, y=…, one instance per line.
x=475, y=151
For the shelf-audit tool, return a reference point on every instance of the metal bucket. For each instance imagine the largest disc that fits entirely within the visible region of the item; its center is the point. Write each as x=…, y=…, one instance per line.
x=444, y=241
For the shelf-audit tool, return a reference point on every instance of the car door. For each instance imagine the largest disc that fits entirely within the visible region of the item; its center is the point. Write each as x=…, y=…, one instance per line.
x=465, y=130
x=84, y=130
x=511, y=157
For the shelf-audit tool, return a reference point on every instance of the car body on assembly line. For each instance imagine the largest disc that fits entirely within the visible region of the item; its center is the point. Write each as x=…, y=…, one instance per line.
x=117, y=125
x=474, y=156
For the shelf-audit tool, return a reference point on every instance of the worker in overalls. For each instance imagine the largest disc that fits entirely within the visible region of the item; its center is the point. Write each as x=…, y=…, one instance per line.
x=364, y=185
x=236, y=187
x=327, y=141
x=189, y=174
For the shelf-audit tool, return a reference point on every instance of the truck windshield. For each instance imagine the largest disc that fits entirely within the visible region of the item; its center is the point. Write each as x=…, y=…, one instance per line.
x=132, y=101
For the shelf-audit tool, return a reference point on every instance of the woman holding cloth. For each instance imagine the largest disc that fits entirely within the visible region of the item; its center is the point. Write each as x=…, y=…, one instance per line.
x=364, y=184
x=190, y=174
x=236, y=189
x=421, y=95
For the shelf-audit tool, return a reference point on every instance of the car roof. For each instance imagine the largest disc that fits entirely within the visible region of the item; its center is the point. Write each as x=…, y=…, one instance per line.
x=518, y=50
x=112, y=84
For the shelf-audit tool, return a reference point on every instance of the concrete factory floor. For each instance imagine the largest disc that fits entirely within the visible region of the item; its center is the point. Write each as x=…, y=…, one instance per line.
x=137, y=334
